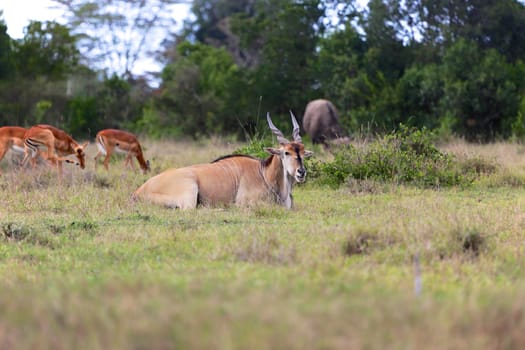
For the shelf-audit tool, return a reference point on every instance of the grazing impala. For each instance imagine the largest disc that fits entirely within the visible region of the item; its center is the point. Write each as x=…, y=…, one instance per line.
x=11, y=138
x=238, y=179
x=112, y=140
x=58, y=144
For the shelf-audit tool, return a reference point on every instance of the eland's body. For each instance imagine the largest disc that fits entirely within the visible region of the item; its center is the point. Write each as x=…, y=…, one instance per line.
x=234, y=179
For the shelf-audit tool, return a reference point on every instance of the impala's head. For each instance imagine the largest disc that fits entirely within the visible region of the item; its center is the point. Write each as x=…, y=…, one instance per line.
x=291, y=153
x=80, y=154
x=146, y=167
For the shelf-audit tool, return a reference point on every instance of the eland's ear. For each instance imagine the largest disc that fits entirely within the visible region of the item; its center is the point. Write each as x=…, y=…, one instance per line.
x=308, y=154
x=272, y=150
x=85, y=144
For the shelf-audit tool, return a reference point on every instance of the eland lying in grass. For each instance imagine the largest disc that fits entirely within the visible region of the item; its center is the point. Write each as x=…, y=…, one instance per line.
x=233, y=179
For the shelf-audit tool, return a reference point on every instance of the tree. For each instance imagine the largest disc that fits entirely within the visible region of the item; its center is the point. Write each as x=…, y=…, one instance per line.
x=491, y=24
x=284, y=35
x=341, y=61
x=6, y=52
x=116, y=34
x=39, y=65
x=273, y=45
x=202, y=93
x=419, y=93
x=382, y=28
x=481, y=91
x=46, y=50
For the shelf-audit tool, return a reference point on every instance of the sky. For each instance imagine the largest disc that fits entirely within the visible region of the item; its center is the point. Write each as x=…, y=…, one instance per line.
x=18, y=13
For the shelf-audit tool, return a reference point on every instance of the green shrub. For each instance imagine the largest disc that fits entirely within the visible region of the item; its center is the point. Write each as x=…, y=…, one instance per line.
x=407, y=156
x=255, y=148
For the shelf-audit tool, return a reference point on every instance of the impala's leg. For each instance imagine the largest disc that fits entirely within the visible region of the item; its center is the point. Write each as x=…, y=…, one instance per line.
x=29, y=155
x=26, y=157
x=109, y=152
x=59, y=167
x=129, y=161
x=34, y=158
x=3, y=151
x=51, y=157
x=99, y=153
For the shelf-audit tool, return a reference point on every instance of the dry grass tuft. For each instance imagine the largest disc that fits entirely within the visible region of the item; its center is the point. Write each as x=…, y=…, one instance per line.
x=472, y=242
x=356, y=245
x=265, y=249
x=366, y=240
x=368, y=186
x=505, y=154
x=15, y=232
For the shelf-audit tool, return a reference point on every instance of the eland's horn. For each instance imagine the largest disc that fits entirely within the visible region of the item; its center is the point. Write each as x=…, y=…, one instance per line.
x=280, y=137
x=296, y=130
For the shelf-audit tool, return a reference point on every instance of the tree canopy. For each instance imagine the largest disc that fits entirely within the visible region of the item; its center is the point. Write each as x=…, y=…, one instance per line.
x=453, y=66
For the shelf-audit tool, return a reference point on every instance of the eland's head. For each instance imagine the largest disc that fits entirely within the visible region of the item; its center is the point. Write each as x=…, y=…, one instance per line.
x=290, y=153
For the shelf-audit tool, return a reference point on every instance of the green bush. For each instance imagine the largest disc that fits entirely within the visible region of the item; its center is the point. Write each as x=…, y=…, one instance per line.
x=255, y=148
x=407, y=156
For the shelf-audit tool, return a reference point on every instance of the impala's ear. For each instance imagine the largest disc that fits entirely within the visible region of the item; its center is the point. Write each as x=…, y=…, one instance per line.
x=308, y=154
x=271, y=150
x=85, y=144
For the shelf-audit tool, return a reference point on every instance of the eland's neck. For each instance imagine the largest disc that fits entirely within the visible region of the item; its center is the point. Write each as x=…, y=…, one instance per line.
x=278, y=181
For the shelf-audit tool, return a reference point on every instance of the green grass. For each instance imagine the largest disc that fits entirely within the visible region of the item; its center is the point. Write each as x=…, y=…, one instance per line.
x=82, y=266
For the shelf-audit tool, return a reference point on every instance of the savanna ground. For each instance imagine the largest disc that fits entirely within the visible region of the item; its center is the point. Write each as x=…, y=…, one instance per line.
x=84, y=267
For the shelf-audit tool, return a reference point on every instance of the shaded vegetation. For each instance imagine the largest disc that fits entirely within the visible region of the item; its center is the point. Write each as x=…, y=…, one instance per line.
x=453, y=67
x=406, y=156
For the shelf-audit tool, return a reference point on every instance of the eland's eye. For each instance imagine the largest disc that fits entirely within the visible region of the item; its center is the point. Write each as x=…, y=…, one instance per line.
x=286, y=153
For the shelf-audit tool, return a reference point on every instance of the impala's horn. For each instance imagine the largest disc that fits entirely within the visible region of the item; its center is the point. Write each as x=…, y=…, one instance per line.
x=280, y=137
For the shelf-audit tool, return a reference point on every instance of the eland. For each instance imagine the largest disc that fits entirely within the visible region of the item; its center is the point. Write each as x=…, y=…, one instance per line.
x=234, y=179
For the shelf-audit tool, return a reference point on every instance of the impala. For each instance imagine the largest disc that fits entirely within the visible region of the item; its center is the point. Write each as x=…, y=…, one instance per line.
x=11, y=138
x=58, y=144
x=112, y=140
x=238, y=179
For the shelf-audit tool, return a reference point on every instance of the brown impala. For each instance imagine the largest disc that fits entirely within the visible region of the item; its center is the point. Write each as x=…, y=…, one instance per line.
x=112, y=140
x=237, y=179
x=58, y=144
x=11, y=138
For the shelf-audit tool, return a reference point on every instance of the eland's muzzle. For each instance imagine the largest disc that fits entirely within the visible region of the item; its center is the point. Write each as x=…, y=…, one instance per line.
x=300, y=175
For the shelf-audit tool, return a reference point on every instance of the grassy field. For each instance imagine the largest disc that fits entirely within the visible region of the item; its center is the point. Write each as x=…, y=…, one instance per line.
x=84, y=267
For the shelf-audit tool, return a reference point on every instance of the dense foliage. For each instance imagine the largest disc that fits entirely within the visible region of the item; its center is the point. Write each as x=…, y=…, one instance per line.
x=451, y=66
x=406, y=156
